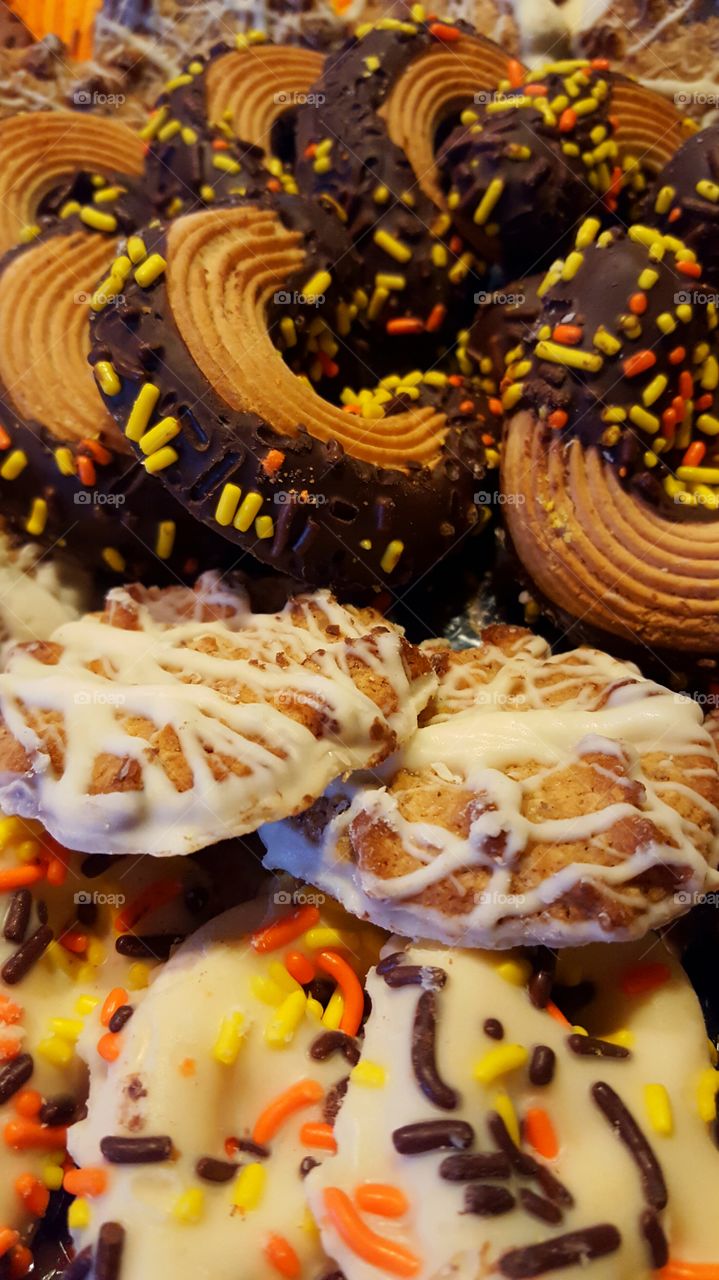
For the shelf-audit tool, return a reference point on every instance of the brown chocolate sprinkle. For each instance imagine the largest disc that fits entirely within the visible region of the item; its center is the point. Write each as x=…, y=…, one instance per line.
x=145, y=1150
x=576, y=1248
x=110, y=1245
x=540, y=988
x=432, y=1135
x=542, y=1065
x=18, y=916
x=334, y=1097
x=540, y=1208
x=120, y=1017
x=526, y=1165
x=153, y=946
x=80, y=1267
x=472, y=1167
x=488, y=1201
x=332, y=1042
x=61, y=1110
x=591, y=1047
x=250, y=1148
x=493, y=1028
x=215, y=1170
x=416, y=975
x=14, y=1075
x=22, y=961
x=424, y=1049
x=629, y=1132
x=308, y=1164
x=389, y=962
x=657, y=1245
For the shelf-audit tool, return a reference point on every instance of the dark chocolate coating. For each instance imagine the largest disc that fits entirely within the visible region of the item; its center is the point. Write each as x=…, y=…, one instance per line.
x=691, y=216
x=323, y=501
x=504, y=318
x=131, y=208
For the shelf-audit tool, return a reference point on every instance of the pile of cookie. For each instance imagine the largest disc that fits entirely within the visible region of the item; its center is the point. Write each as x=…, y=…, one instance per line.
x=328, y=954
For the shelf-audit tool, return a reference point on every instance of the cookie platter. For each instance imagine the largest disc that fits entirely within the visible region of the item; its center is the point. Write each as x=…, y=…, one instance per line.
x=359, y=738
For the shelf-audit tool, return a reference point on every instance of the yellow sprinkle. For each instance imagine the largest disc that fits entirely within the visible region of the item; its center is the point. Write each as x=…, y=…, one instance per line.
x=488, y=202
x=698, y=475
x=388, y=281
x=516, y=972
x=502, y=1104
x=85, y=1004
x=69, y=208
x=654, y=389
x=165, y=539
x=53, y=1176
x=288, y=330
x=317, y=285
x=707, y=423
x=229, y=1040
x=154, y=124
x=314, y=1009
x=267, y=991
x=710, y=374
x=572, y=264
x=13, y=465
x=56, y=1050
x=673, y=487
x=107, y=378
x=369, y=1074
x=136, y=249
x=376, y=303
x=391, y=245
x=264, y=527
x=623, y=1037
x=121, y=266
x=707, y=1095
x=322, y=164
x=391, y=557
x=685, y=311
x=587, y=233
x=380, y=195
x=226, y=164
x=460, y=268
x=158, y=461
x=281, y=1028
x=666, y=323
x=29, y=233
x=113, y=559
x=169, y=130
x=177, y=82
x=138, y=976
x=606, y=342
x=333, y=1013
x=642, y=418
x=142, y=411
x=97, y=220
x=570, y=356
x=189, y=1208
x=659, y=1109
x=648, y=278
x=67, y=1028
x=499, y=1062
x=150, y=270
x=708, y=190
x=78, y=1214
x=249, y=509
x=108, y=194
x=512, y=396
x=227, y=504
x=36, y=521
x=249, y=1187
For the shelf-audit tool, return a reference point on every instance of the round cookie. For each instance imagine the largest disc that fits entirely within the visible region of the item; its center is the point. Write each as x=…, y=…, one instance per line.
x=685, y=199
x=544, y=799
x=608, y=468
x=324, y=495
x=483, y=1135
x=224, y=1096
x=187, y=718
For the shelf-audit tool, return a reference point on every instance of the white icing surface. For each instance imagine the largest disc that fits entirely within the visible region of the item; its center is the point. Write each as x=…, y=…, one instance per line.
x=481, y=732
x=591, y=1161
x=219, y=687
x=37, y=594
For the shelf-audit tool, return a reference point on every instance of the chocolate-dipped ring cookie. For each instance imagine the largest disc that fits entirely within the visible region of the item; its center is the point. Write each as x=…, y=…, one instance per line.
x=610, y=453
x=253, y=86
x=42, y=149
x=685, y=198
x=67, y=474
x=211, y=407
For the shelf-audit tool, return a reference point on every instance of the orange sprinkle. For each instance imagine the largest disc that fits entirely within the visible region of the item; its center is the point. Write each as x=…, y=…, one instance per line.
x=495, y=406
x=600, y=64
x=442, y=31
x=694, y=455
x=679, y=407
x=381, y=1198
x=10, y=1012
x=675, y=214
x=27, y=1103
x=33, y=1193
x=318, y=1135
x=86, y=469
x=568, y=334
x=272, y=461
x=305, y=1093
x=692, y=269
x=639, y=363
x=300, y=968
x=282, y=1257
x=567, y=120
x=690, y=1271
x=97, y=451
x=686, y=384
x=5, y=440
x=515, y=73
x=678, y=355
x=17, y=877
x=114, y=1001
x=386, y=1255
x=85, y=1182
x=558, y=419
x=20, y=1261
x=310, y=151
x=556, y=1013
x=285, y=930
x=220, y=144
x=74, y=941
x=638, y=304
x=28, y=1135
x=8, y=1240
x=535, y=90
x=151, y=899
x=187, y=1067
x=56, y=871
x=109, y=1046
x=456, y=244
x=643, y=978
x=330, y=367
x=436, y=318
x=9, y=1047
x=467, y=406
x=274, y=184
x=540, y=1133
x=455, y=380
x=332, y=963
x=404, y=325
x=487, y=439
x=704, y=403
